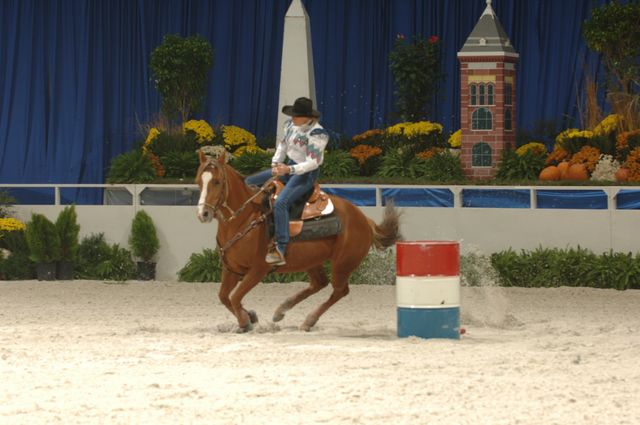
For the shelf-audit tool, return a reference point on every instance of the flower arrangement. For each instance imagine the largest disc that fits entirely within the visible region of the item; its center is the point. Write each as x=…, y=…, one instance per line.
x=588, y=155
x=422, y=128
x=455, y=140
x=234, y=137
x=535, y=147
x=363, y=152
x=556, y=156
x=429, y=153
x=608, y=125
x=157, y=164
x=633, y=165
x=606, y=169
x=627, y=141
x=573, y=133
x=367, y=135
x=397, y=129
x=151, y=136
x=249, y=149
x=203, y=131
x=10, y=224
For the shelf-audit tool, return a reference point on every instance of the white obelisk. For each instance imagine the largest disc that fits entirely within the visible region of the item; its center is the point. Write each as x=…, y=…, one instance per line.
x=296, y=73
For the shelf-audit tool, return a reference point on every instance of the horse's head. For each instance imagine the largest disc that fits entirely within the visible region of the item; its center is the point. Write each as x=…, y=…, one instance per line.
x=212, y=182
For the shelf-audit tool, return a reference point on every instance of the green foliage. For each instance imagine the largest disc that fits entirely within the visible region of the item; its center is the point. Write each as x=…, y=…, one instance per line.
x=68, y=229
x=397, y=163
x=605, y=144
x=520, y=167
x=143, y=239
x=203, y=267
x=613, y=31
x=180, y=69
x=42, y=239
x=98, y=260
x=180, y=164
x=338, y=164
x=17, y=266
x=251, y=162
x=442, y=167
x=174, y=141
x=131, y=167
x=552, y=267
x=6, y=201
x=417, y=72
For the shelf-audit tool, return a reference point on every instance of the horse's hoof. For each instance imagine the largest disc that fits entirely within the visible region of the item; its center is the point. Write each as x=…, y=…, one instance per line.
x=244, y=329
x=277, y=317
x=253, y=317
x=305, y=327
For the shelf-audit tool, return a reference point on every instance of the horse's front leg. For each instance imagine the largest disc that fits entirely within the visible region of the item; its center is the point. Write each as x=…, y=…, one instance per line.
x=229, y=281
x=246, y=318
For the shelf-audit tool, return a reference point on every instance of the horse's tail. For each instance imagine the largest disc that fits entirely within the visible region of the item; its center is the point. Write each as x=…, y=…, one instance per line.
x=386, y=233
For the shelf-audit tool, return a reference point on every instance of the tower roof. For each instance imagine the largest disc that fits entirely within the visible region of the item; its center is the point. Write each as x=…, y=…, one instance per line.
x=488, y=38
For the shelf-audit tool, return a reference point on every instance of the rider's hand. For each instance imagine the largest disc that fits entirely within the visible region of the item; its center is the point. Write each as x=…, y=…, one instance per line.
x=280, y=170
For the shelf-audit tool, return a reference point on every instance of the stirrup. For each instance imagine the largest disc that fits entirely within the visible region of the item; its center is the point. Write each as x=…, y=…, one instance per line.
x=275, y=257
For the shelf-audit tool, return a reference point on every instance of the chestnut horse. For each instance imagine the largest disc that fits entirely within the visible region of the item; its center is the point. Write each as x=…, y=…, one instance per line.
x=243, y=241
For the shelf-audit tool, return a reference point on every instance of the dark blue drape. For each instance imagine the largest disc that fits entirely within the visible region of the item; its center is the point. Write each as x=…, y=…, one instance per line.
x=75, y=83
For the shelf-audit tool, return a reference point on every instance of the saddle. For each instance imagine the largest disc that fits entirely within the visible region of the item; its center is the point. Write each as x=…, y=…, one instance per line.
x=314, y=204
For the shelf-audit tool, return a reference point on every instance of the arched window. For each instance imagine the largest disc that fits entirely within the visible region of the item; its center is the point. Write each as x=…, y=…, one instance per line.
x=481, y=155
x=481, y=94
x=481, y=119
x=473, y=94
x=489, y=94
x=508, y=94
x=508, y=124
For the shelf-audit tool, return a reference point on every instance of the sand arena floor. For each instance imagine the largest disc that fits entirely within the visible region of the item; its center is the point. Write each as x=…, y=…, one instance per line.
x=165, y=352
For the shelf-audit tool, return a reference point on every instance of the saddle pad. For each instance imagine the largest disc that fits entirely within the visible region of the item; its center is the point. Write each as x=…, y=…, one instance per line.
x=319, y=228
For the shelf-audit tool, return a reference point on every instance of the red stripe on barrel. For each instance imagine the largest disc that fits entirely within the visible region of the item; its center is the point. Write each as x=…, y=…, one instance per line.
x=427, y=258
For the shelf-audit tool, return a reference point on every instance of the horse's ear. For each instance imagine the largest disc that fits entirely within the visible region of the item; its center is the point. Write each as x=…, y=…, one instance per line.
x=202, y=156
x=222, y=158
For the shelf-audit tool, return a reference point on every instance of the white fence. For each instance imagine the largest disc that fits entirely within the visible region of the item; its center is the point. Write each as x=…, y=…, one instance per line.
x=484, y=229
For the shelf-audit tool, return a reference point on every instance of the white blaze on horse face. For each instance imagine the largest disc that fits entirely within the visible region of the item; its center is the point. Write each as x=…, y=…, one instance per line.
x=206, y=178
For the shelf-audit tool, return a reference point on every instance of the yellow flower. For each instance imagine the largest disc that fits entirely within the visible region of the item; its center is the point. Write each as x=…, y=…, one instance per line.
x=536, y=147
x=398, y=128
x=204, y=132
x=572, y=133
x=422, y=128
x=608, y=125
x=251, y=149
x=234, y=136
x=455, y=140
x=11, y=224
x=153, y=135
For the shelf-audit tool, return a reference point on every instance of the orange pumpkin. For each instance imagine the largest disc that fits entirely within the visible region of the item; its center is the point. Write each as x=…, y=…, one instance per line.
x=563, y=167
x=577, y=172
x=550, y=173
x=622, y=175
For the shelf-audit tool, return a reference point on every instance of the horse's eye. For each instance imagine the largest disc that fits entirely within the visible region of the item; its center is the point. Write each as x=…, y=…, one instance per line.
x=215, y=182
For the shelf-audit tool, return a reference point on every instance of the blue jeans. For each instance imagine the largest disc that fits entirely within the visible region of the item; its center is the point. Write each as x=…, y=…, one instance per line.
x=295, y=187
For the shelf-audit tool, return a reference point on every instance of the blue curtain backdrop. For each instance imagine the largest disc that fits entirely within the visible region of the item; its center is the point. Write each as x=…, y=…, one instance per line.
x=75, y=82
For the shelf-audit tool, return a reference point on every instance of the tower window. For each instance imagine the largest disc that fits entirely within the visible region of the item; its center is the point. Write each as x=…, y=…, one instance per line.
x=481, y=94
x=489, y=94
x=508, y=124
x=481, y=119
x=481, y=155
x=473, y=94
x=508, y=94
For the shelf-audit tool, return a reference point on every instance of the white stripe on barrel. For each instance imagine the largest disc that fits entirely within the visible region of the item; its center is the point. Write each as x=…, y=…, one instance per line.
x=428, y=289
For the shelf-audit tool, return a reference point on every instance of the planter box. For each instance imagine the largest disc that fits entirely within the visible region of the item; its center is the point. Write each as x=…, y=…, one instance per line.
x=46, y=271
x=146, y=270
x=65, y=270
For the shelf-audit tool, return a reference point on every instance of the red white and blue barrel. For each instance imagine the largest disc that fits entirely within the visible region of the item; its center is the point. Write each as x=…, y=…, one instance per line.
x=428, y=289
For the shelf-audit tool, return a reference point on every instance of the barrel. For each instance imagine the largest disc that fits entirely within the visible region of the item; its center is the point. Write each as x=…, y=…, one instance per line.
x=428, y=289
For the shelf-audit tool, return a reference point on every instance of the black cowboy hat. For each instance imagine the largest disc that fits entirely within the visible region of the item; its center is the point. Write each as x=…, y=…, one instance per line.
x=302, y=107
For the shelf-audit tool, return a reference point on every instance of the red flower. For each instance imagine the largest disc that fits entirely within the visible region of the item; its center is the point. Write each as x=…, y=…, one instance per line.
x=433, y=39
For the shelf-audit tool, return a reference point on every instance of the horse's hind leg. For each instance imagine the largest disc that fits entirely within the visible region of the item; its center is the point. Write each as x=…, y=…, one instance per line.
x=340, y=283
x=317, y=280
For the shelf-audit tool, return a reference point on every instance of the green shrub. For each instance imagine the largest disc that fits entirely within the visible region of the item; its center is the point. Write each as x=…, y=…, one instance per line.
x=338, y=164
x=520, y=167
x=143, y=239
x=397, y=163
x=171, y=141
x=17, y=266
x=92, y=251
x=68, y=230
x=202, y=267
x=442, y=167
x=131, y=167
x=42, y=239
x=377, y=268
x=251, y=162
x=6, y=201
x=117, y=266
x=180, y=164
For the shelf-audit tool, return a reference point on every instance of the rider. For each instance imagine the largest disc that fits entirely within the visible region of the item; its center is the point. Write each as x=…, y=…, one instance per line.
x=303, y=143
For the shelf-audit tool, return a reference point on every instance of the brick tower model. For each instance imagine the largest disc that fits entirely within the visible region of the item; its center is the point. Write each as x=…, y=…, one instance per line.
x=488, y=97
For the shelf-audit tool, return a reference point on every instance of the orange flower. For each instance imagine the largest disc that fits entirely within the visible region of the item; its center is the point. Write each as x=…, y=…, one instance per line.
x=363, y=152
x=157, y=165
x=633, y=165
x=558, y=155
x=426, y=154
x=622, y=139
x=367, y=134
x=588, y=155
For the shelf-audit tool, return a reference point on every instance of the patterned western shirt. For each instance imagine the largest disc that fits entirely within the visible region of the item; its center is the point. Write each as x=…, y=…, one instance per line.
x=304, y=146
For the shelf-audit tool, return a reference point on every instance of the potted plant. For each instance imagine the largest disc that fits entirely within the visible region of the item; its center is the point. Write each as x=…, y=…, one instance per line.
x=144, y=244
x=44, y=246
x=68, y=229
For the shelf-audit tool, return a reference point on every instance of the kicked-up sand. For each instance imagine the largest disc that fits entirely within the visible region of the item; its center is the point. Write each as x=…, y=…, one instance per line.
x=89, y=352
